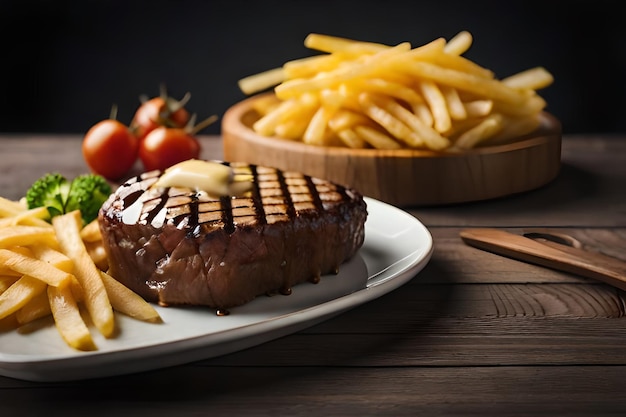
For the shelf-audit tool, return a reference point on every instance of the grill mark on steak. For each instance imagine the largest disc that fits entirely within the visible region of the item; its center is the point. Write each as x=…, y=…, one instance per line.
x=227, y=215
x=290, y=209
x=194, y=206
x=179, y=246
x=317, y=200
x=259, y=208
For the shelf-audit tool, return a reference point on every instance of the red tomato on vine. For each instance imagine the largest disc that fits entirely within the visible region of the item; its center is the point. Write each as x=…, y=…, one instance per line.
x=160, y=111
x=167, y=146
x=110, y=149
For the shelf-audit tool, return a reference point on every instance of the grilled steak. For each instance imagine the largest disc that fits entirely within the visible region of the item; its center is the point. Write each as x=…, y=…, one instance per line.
x=176, y=246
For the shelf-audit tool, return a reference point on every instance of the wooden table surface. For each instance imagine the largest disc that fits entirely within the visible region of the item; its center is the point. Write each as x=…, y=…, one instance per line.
x=472, y=334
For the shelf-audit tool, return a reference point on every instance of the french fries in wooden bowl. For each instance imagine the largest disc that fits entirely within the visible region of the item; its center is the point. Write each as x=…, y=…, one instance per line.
x=408, y=126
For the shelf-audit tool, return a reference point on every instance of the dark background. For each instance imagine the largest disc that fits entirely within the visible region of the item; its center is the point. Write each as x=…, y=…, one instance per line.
x=65, y=63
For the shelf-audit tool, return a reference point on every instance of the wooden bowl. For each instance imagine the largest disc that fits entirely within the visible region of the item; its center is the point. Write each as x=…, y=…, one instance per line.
x=405, y=177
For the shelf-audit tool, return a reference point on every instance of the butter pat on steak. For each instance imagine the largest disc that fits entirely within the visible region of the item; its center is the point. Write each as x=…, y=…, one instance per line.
x=180, y=246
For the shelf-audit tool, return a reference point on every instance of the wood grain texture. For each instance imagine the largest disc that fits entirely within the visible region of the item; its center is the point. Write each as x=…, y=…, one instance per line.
x=336, y=391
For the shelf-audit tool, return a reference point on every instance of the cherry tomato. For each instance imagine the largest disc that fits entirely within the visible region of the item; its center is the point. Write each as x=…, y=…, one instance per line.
x=166, y=146
x=159, y=111
x=110, y=149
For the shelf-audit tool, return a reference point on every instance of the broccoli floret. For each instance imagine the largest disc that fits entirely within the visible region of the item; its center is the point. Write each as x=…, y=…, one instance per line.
x=85, y=193
x=49, y=191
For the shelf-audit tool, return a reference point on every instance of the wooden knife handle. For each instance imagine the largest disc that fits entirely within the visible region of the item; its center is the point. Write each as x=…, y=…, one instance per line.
x=551, y=255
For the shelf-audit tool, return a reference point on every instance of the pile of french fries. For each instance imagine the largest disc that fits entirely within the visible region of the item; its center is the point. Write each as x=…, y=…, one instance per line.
x=58, y=269
x=369, y=95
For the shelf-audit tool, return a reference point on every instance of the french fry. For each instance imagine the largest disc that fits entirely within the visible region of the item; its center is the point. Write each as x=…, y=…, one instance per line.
x=19, y=294
x=433, y=139
x=438, y=106
x=464, y=65
x=39, y=305
x=36, y=308
x=92, y=238
x=315, y=131
x=376, y=138
x=326, y=43
x=23, y=250
x=345, y=119
x=351, y=138
x=297, y=107
x=41, y=270
x=532, y=105
x=516, y=127
x=349, y=97
x=293, y=128
x=53, y=257
x=481, y=132
x=426, y=52
x=10, y=208
x=91, y=232
x=262, y=81
x=128, y=302
x=459, y=43
x=98, y=255
x=6, y=272
x=462, y=126
x=422, y=111
x=478, y=108
x=97, y=302
x=531, y=79
x=309, y=66
x=386, y=87
x=372, y=108
x=456, y=108
x=265, y=104
x=26, y=235
x=68, y=320
x=33, y=217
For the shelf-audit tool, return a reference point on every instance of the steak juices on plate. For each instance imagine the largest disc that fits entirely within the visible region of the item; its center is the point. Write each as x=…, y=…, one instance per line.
x=220, y=247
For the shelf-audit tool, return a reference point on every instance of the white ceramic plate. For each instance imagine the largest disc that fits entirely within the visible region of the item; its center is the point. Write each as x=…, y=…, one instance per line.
x=397, y=246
